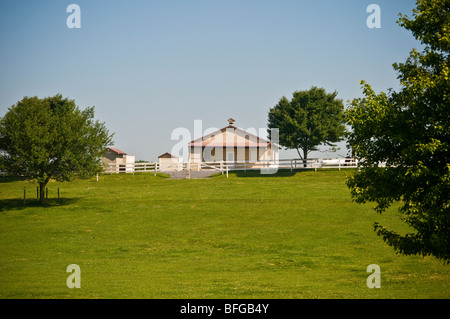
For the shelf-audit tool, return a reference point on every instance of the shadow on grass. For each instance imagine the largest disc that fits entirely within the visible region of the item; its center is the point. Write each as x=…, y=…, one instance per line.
x=257, y=173
x=10, y=179
x=286, y=172
x=18, y=204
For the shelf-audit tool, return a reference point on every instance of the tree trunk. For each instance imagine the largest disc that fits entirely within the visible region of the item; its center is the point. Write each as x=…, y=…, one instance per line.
x=42, y=198
x=305, y=157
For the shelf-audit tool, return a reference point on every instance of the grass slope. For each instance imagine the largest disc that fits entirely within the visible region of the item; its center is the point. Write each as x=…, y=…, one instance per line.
x=293, y=235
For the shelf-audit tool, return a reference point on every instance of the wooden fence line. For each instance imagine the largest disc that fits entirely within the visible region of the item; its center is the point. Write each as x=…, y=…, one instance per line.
x=223, y=166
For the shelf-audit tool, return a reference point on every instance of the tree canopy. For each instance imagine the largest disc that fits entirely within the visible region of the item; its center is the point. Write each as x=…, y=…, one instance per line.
x=311, y=118
x=51, y=138
x=409, y=130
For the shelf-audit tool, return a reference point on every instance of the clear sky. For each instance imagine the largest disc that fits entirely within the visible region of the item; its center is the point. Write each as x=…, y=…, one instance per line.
x=149, y=66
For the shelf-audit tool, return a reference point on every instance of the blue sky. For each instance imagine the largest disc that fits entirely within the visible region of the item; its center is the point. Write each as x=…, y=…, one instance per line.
x=149, y=67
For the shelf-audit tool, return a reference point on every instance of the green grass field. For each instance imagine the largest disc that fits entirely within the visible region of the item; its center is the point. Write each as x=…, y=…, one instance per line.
x=293, y=235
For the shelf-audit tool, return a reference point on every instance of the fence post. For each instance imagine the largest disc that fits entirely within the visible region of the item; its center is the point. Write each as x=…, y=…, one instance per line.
x=58, y=193
x=24, y=195
x=156, y=168
x=227, y=171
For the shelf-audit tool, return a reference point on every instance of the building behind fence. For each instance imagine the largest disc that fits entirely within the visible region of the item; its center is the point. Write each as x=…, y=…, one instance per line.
x=118, y=160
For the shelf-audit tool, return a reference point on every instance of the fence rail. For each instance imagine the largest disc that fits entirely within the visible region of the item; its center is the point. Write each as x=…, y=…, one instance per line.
x=224, y=166
x=113, y=168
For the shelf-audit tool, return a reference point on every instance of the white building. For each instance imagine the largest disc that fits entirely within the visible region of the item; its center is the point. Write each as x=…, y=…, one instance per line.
x=232, y=144
x=117, y=161
x=169, y=162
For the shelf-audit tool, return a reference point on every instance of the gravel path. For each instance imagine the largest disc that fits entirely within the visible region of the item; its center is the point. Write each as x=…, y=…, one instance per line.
x=193, y=174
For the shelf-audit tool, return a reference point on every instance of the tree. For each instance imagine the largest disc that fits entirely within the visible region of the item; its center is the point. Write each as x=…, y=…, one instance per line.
x=409, y=130
x=311, y=118
x=51, y=138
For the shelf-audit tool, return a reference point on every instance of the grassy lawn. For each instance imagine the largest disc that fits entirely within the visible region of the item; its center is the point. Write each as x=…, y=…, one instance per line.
x=249, y=236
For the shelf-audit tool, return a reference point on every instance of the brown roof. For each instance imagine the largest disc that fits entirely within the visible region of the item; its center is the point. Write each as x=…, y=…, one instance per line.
x=248, y=143
x=167, y=155
x=117, y=151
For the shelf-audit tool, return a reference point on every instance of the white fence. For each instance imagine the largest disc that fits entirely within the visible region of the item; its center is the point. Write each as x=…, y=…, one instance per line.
x=112, y=168
x=224, y=166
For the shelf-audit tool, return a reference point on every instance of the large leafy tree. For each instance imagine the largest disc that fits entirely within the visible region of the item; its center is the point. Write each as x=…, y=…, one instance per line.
x=51, y=138
x=311, y=118
x=409, y=130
